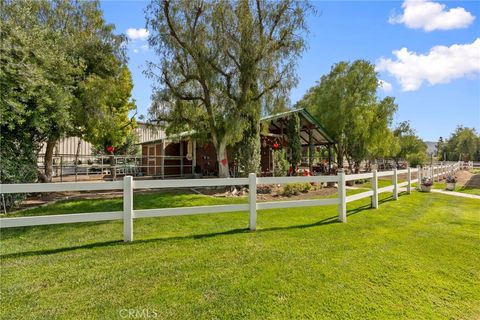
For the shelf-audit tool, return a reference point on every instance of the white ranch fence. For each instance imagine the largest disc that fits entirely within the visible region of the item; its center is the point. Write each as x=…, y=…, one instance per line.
x=128, y=185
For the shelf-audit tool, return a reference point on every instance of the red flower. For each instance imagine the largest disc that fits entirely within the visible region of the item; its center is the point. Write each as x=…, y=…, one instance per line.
x=275, y=146
x=110, y=149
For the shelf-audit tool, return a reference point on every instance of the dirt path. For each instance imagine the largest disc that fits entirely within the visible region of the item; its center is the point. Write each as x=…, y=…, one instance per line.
x=465, y=177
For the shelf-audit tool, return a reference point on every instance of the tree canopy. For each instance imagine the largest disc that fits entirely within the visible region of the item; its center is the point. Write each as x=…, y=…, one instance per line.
x=345, y=102
x=463, y=144
x=55, y=57
x=410, y=147
x=222, y=64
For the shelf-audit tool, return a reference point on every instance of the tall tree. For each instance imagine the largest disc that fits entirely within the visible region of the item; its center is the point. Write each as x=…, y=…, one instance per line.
x=345, y=101
x=220, y=63
x=54, y=52
x=463, y=144
x=412, y=148
x=36, y=80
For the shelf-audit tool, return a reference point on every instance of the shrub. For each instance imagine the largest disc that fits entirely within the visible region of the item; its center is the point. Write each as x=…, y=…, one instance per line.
x=291, y=189
x=280, y=163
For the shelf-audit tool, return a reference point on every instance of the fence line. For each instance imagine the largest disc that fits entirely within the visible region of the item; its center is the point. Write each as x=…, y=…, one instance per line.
x=129, y=185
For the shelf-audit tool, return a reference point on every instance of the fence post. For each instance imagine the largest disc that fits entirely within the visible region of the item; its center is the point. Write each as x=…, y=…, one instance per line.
x=374, y=189
x=409, y=179
x=252, y=201
x=419, y=176
x=342, y=196
x=128, y=209
x=395, y=184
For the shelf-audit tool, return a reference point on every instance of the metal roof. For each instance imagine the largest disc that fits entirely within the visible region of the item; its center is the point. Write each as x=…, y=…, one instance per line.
x=320, y=136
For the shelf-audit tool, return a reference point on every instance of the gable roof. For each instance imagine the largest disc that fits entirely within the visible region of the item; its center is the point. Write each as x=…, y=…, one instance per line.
x=308, y=122
x=319, y=133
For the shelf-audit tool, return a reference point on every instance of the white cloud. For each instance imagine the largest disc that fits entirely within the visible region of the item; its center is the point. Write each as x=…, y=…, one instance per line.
x=136, y=51
x=137, y=34
x=440, y=65
x=386, y=86
x=429, y=16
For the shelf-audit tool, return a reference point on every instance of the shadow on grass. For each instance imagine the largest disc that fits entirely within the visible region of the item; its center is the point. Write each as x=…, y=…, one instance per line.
x=323, y=222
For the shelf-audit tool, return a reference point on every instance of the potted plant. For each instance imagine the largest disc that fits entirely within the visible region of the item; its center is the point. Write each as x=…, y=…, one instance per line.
x=451, y=180
x=426, y=184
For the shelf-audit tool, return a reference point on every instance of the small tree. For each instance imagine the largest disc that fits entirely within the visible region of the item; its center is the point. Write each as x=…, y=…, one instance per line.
x=248, y=153
x=411, y=147
x=293, y=133
x=280, y=163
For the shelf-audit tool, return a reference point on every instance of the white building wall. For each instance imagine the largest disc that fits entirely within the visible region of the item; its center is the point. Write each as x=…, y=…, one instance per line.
x=68, y=146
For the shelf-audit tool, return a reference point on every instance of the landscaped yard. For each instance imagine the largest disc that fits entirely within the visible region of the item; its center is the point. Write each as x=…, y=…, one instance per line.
x=414, y=258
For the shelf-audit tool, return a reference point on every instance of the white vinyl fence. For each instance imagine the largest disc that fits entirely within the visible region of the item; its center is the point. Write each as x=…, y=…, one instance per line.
x=128, y=185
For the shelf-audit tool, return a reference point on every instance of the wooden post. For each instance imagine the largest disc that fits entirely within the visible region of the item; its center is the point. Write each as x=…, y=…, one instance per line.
x=342, y=196
x=162, y=159
x=395, y=184
x=252, y=201
x=375, y=189
x=128, y=209
x=409, y=180
x=181, y=158
x=194, y=156
x=419, y=177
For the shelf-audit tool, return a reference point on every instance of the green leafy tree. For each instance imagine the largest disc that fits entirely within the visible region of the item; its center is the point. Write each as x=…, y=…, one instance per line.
x=463, y=144
x=345, y=102
x=54, y=52
x=222, y=64
x=412, y=148
x=280, y=163
x=439, y=147
x=130, y=147
x=36, y=81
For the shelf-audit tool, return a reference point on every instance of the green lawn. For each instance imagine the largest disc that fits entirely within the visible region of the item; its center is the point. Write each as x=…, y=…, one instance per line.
x=381, y=183
x=415, y=258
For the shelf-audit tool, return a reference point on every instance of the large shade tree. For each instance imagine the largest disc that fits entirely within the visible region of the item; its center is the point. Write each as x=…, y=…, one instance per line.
x=53, y=55
x=222, y=64
x=345, y=102
x=463, y=144
x=411, y=148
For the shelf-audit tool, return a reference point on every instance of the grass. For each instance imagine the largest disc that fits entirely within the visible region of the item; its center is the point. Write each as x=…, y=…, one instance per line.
x=414, y=258
x=381, y=183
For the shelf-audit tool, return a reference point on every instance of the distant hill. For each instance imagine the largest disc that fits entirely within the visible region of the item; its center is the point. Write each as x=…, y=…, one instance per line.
x=431, y=146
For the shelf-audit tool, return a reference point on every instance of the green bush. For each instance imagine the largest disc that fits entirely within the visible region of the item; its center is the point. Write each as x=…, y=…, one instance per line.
x=291, y=189
x=280, y=163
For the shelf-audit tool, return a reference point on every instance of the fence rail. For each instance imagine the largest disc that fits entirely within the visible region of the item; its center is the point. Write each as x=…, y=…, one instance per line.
x=128, y=185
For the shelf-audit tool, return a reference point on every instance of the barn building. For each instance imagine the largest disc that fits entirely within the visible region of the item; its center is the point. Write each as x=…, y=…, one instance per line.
x=184, y=156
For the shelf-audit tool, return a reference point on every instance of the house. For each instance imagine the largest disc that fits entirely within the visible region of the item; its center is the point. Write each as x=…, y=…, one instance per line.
x=183, y=156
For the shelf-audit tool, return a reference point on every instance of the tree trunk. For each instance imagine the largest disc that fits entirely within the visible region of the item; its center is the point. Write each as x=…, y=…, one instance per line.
x=339, y=156
x=222, y=159
x=48, y=159
x=113, y=169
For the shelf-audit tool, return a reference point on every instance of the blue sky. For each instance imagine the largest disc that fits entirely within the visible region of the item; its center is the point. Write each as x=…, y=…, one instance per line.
x=436, y=89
